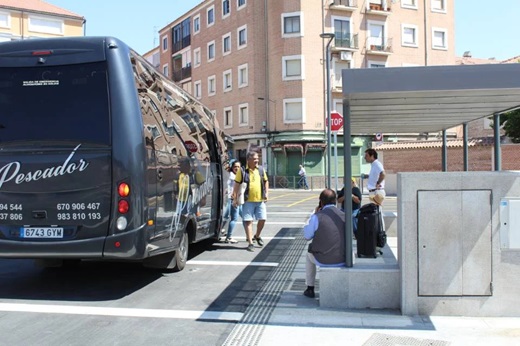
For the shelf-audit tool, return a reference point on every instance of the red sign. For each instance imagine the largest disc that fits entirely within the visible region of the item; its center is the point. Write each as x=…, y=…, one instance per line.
x=337, y=121
x=192, y=147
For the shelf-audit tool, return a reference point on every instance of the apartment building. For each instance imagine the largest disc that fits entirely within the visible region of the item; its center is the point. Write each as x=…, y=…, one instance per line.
x=37, y=19
x=260, y=66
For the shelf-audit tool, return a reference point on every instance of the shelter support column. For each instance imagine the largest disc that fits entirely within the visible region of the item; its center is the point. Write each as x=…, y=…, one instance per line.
x=347, y=166
x=465, y=146
x=496, y=130
x=444, y=151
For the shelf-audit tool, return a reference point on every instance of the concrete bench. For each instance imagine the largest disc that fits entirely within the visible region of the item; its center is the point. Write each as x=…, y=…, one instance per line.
x=371, y=283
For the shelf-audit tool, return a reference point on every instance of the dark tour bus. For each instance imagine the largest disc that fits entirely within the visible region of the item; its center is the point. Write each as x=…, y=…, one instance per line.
x=102, y=157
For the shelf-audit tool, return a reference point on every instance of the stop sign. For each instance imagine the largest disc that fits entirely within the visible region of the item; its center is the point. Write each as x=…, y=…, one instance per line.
x=336, y=121
x=191, y=146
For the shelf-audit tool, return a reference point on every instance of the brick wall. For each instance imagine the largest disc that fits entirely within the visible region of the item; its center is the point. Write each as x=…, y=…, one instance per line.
x=430, y=159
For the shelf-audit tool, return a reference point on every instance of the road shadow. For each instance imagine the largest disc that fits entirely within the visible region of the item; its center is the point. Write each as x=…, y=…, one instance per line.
x=87, y=281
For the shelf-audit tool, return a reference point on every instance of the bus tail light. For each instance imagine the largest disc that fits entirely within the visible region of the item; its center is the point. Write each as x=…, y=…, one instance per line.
x=123, y=189
x=123, y=206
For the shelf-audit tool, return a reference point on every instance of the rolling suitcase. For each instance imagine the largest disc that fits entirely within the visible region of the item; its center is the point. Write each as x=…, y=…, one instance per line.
x=369, y=224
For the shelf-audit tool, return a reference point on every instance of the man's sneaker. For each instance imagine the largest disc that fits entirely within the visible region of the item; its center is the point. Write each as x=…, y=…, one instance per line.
x=231, y=241
x=258, y=240
x=309, y=292
x=251, y=248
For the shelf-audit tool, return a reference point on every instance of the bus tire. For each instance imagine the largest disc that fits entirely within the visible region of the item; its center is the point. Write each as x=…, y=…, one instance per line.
x=181, y=254
x=173, y=261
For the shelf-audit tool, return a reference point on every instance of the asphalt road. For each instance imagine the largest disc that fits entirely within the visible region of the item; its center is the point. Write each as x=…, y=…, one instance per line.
x=124, y=304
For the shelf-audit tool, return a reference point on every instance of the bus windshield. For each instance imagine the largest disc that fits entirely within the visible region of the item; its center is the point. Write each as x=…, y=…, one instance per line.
x=55, y=103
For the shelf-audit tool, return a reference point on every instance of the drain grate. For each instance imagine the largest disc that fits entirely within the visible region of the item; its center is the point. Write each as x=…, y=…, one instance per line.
x=394, y=340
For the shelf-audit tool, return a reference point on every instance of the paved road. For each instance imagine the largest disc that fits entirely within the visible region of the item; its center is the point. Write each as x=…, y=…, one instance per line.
x=125, y=304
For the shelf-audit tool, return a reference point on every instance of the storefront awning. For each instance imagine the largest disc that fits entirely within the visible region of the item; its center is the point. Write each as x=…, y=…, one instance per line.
x=293, y=147
x=314, y=147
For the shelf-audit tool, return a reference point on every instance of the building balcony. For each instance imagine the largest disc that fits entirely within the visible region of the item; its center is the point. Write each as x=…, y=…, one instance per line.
x=181, y=74
x=378, y=46
x=183, y=43
x=345, y=42
x=344, y=5
x=379, y=9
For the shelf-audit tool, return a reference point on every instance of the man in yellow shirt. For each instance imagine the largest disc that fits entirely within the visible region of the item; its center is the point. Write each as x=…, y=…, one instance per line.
x=255, y=196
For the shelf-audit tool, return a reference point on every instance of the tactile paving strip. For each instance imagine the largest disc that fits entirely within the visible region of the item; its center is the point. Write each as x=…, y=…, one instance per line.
x=249, y=330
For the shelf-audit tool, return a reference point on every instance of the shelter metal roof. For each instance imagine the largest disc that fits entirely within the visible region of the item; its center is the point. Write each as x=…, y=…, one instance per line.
x=427, y=99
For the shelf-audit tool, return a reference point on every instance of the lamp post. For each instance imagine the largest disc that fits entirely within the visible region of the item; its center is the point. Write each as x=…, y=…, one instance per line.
x=330, y=36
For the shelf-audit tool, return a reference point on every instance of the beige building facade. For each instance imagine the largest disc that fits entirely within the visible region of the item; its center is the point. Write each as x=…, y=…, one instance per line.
x=37, y=19
x=260, y=66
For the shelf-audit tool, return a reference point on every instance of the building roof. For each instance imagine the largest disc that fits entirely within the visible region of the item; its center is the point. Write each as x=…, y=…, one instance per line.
x=37, y=6
x=450, y=143
x=515, y=59
x=427, y=98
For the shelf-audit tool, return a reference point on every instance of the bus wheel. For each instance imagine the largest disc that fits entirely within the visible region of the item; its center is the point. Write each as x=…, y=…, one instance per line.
x=181, y=254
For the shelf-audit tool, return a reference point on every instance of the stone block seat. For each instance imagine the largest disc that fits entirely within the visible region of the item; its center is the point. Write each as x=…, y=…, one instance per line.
x=372, y=283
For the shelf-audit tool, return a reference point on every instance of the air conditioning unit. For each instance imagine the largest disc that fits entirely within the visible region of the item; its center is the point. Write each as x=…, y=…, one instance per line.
x=346, y=56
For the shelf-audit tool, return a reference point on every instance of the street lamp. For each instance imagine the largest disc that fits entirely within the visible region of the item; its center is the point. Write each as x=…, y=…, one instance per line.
x=330, y=36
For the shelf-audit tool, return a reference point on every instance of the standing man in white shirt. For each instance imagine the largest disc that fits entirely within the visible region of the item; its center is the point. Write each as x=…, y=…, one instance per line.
x=376, y=180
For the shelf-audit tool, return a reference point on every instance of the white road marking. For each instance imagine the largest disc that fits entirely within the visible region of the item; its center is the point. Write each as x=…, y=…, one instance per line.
x=289, y=213
x=267, y=238
x=234, y=263
x=122, y=312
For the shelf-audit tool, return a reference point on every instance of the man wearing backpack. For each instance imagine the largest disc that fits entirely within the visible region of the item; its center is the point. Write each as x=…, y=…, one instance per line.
x=255, y=196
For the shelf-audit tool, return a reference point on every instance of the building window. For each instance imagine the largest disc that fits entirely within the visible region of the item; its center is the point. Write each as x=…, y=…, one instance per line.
x=198, y=89
x=242, y=37
x=241, y=4
x=228, y=117
x=439, y=5
x=196, y=57
x=227, y=80
x=294, y=111
x=5, y=20
x=243, y=114
x=211, y=51
x=196, y=24
x=165, y=70
x=226, y=44
x=292, y=24
x=409, y=35
x=342, y=32
x=165, y=43
x=376, y=64
x=409, y=4
x=225, y=8
x=211, y=85
x=181, y=35
x=210, y=15
x=292, y=67
x=46, y=25
x=243, y=79
x=439, y=39
x=378, y=37
x=339, y=65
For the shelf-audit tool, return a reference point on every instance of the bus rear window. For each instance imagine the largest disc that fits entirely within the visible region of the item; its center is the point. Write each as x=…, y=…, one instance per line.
x=55, y=103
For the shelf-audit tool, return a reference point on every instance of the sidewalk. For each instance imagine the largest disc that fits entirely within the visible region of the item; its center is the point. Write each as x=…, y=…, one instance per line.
x=281, y=315
x=298, y=320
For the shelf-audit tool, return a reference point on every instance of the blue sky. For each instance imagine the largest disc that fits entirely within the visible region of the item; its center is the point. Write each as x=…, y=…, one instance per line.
x=487, y=28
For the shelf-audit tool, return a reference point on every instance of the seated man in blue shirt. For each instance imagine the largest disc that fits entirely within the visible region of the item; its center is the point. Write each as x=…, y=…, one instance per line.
x=326, y=229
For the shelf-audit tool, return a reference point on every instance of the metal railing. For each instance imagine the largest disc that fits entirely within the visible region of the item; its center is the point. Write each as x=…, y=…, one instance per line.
x=377, y=44
x=347, y=3
x=346, y=40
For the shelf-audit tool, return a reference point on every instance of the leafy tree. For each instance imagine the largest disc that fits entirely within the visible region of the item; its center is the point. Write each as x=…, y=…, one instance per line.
x=511, y=122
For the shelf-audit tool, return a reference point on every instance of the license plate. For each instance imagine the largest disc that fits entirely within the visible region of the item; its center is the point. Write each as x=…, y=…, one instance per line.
x=42, y=232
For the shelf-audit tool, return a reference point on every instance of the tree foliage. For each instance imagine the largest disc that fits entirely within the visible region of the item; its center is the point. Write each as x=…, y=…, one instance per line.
x=511, y=122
